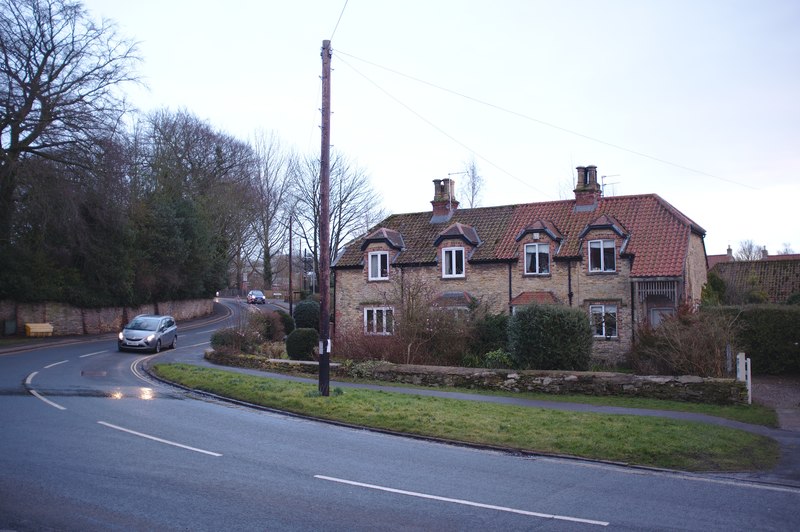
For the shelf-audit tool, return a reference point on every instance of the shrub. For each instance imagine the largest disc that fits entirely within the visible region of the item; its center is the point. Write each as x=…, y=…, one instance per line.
x=301, y=342
x=268, y=325
x=489, y=333
x=550, y=337
x=234, y=339
x=306, y=315
x=287, y=320
x=770, y=337
x=689, y=343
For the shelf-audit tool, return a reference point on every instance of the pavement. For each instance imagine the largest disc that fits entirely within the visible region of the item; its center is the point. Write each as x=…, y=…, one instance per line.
x=779, y=395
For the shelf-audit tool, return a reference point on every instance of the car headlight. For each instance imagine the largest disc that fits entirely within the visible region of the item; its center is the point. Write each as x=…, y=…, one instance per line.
x=150, y=338
x=121, y=336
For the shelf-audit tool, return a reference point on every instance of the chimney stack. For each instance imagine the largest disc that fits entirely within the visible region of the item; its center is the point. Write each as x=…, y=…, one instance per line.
x=444, y=201
x=587, y=190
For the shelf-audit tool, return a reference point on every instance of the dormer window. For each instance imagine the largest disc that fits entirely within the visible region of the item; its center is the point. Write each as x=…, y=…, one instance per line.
x=537, y=259
x=378, y=266
x=452, y=262
x=602, y=256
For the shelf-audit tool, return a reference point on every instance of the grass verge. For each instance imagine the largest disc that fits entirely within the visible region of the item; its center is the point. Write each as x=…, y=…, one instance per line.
x=648, y=441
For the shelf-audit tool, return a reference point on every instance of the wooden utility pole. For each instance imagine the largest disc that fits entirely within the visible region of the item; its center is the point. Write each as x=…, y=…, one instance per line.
x=324, y=225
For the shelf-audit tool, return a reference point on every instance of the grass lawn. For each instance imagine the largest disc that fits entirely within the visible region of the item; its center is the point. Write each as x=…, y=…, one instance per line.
x=637, y=440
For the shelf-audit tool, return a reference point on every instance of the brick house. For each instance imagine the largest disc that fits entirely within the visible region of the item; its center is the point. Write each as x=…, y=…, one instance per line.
x=622, y=259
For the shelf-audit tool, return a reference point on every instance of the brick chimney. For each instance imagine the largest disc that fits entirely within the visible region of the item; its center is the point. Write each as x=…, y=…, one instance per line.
x=444, y=201
x=587, y=190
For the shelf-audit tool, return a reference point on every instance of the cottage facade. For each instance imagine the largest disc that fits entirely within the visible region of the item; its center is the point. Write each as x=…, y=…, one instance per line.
x=623, y=260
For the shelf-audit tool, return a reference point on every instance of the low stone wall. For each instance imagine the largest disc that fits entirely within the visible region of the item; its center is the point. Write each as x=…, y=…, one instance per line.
x=68, y=320
x=677, y=388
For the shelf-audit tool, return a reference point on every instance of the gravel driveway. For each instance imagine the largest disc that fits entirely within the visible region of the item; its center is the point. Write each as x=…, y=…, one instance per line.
x=781, y=393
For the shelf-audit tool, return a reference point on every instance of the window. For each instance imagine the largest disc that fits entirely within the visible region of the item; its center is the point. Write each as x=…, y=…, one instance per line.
x=657, y=315
x=602, y=256
x=537, y=259
x=379, y=320
x=378, y=265
x=453, y=262
x=604, y=320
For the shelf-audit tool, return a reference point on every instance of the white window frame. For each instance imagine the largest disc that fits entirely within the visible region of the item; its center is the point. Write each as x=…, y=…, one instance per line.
x=602, y=245
x=375, y=322
x=380, y=256
x=603, y=311
x=450, y=259
x=536, y=253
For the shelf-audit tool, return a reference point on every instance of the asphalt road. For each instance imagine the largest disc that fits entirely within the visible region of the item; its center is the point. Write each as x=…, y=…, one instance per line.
x=87, y=442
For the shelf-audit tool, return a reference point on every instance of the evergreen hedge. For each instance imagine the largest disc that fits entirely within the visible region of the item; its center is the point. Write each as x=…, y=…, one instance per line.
x=301, y=342
x=550, y=337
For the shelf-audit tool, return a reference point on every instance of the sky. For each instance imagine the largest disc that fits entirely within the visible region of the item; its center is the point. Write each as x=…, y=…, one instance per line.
x=697, y=101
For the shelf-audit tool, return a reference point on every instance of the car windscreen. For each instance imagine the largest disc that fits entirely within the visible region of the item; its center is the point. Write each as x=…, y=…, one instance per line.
x=144, y=324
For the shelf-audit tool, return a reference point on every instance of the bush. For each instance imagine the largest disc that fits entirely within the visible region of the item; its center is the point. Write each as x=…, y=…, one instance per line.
x=770, y=337
x=287, y=320
x=301, y=342
x=550, y=337
x=268, y=325
x=234, y=339
x=689, y=343
x=489, y=333
x=306, y=315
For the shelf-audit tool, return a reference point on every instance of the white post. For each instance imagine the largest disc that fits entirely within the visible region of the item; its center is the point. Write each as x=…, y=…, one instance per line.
x=743, y=374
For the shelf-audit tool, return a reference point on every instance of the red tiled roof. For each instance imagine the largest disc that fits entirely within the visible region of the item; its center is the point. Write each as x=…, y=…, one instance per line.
x=658, y=234
x=713, y=260
x=778, y=279
x=539, y=298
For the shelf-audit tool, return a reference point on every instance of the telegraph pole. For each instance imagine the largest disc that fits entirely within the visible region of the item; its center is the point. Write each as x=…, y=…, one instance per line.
x=324, y=225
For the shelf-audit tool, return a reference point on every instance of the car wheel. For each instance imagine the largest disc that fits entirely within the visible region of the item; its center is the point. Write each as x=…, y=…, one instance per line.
x=174, y=343
x=157, y=348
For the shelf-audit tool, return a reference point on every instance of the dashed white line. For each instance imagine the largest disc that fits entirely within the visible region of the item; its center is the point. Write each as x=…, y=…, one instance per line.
x=93, y=354
x=160, y=440
x=48, y=401
x=465, y=503
x=195, y=345
x=56, y=364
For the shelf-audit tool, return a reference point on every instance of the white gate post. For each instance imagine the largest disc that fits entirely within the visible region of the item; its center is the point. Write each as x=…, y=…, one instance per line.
x=744, y=374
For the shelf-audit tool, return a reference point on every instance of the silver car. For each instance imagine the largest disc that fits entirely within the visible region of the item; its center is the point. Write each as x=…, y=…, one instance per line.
x=149, y=332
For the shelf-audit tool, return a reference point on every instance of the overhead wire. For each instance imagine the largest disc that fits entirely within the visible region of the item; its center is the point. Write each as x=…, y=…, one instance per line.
x=440, y=130
x=544, y=123
x=339, y=20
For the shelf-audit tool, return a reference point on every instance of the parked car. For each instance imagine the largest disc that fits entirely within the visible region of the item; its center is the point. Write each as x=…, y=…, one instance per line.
x=257, y=297
x=149, y=332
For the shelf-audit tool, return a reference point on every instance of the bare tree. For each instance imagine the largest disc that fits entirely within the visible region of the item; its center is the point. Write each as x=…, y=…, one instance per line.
x=275, y=169
x=749, y=250
x=473, y=184
x=787, y=249
x=355, y=206
x=58, y=75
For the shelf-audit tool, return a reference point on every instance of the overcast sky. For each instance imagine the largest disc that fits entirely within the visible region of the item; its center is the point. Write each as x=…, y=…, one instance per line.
x=697, y=101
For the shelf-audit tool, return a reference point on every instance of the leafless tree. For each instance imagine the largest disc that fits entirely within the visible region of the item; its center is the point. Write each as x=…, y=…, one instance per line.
x=59, y=72
x=473, y=184
x=275, y=170
x=749, y=250
x=354, y=206
x=787, y=249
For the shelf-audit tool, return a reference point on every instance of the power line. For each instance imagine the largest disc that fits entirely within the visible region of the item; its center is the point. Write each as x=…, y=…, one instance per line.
x=340, y=19
x=548, y=124
x=440, y=130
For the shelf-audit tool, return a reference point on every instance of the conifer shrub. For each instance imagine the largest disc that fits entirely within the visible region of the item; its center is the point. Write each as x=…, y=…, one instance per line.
x=550, y=337
x=306, y=315
x=301, y=342
x=287, y=320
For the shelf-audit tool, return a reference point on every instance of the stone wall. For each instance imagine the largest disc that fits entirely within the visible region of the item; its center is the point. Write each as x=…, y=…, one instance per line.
x=677, y=388
x=68, y=320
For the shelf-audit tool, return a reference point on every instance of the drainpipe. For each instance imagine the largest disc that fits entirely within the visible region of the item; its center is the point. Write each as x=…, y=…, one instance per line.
x=569, y=282
x=633, y=313
x=509, y=289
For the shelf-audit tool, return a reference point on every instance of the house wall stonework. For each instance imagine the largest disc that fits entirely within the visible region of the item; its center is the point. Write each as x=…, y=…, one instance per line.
x=696, y=272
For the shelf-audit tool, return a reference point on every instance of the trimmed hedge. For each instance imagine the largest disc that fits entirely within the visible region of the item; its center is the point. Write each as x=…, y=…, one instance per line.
x=301, y=342
x=770, y=335
x=306, y=315
x=550, y=337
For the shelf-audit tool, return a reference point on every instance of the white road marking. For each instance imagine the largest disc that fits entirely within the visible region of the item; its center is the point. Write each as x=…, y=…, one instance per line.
x=29, y=380
x=160, y=440
x=465, y=503
x=93, y=354
x=56, y=364
x=195, y=345
x=48, y=401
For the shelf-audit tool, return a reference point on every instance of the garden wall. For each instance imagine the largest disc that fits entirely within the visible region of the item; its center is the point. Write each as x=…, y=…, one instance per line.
x=677, y=388
x=68, y=320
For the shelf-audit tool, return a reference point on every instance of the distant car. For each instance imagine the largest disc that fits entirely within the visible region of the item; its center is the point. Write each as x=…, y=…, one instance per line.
x=257, y=297
x=149, y=332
